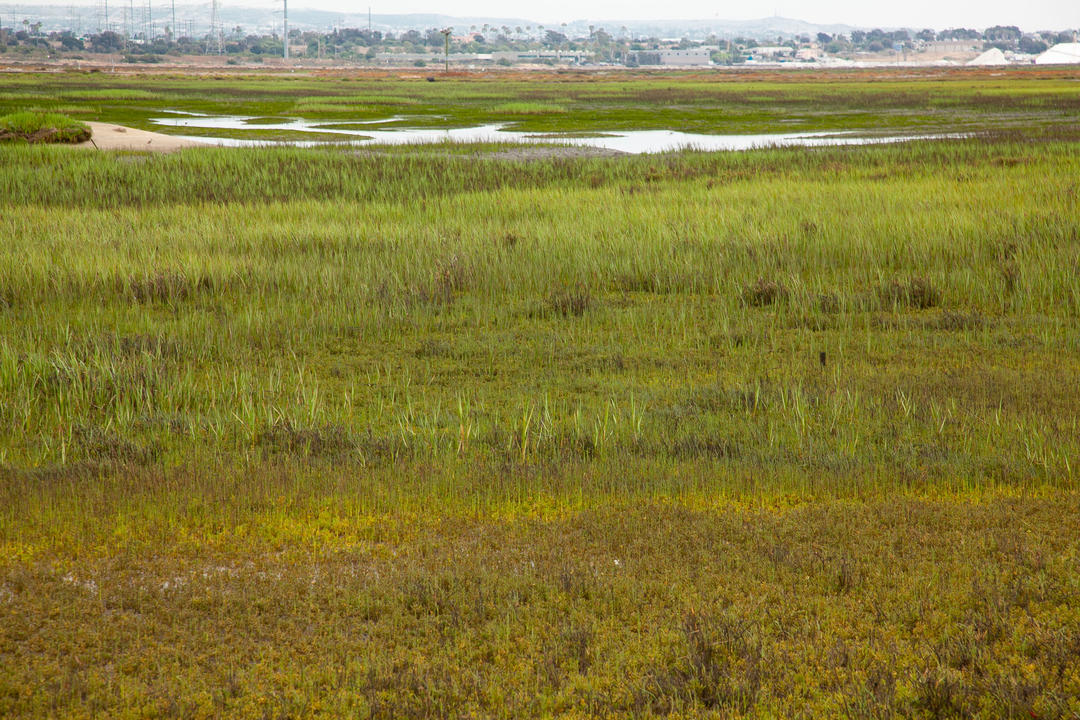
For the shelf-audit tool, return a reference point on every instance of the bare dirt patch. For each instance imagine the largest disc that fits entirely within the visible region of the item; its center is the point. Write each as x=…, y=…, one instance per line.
x=107, y=136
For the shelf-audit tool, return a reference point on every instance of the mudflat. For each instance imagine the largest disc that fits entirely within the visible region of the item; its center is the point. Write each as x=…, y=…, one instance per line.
x=108, y=136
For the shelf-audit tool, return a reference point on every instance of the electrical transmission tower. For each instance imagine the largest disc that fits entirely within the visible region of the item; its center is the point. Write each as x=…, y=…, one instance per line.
x=214, y=41
x=103, y=16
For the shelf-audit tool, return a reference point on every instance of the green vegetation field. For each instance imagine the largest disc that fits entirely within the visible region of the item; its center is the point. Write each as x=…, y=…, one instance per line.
x=869, y=101
x=325, y=433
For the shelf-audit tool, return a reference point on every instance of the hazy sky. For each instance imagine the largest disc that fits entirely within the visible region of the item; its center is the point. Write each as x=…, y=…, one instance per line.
x=1029, y=15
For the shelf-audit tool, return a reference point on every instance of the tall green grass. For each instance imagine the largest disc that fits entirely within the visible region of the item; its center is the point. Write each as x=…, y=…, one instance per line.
x=264, y=302
x=38, y=127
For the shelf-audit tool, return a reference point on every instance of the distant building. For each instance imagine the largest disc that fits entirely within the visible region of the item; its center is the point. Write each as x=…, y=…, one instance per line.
x=402, y=59
x=771, y=52
x=952, y=46
x=545, y=57
x=647, y=57
x=694, y=57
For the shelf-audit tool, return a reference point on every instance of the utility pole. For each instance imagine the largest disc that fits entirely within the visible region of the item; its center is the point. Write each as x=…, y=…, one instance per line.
x=286, y=43
x=369, y=19
x=446, y=56
x=175, y=33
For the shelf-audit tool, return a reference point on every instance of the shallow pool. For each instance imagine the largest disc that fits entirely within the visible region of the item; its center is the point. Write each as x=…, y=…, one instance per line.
x=627, y=141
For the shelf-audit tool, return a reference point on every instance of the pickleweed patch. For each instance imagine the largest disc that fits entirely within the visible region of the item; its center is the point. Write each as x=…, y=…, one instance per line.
x=718, y=667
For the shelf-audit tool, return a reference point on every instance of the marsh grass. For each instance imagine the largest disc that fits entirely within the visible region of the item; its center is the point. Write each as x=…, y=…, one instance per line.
x=508, y=439
x=570, y=301
x=1024, y=101
x=40, y=128
x=764, y=292
x=917, y=292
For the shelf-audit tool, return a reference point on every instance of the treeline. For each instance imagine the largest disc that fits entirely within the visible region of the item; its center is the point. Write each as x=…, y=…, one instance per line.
x=603, y=44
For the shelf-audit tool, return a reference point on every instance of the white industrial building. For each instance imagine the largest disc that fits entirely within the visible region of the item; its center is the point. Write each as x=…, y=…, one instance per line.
x=694, y=57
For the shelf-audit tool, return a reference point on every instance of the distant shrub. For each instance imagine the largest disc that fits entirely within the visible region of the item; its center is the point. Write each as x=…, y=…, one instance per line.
x=131, y=58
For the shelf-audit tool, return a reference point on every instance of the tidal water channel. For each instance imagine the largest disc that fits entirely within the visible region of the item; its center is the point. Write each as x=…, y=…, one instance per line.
x=368, y=132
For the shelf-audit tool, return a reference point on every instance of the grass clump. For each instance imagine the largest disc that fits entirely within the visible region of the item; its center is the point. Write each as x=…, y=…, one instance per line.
x=39, y=128
x=283, y=437
x=166, y=286
x=570, y=300
x=917, y=292
x=764, y=292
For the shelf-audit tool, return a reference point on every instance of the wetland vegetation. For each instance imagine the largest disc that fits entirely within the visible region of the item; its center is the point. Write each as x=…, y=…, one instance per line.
x=915, y=100
x=434, y=433
x=37, y=127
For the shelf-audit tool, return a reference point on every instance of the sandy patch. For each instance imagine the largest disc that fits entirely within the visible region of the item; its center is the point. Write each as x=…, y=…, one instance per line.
x=117, y=137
